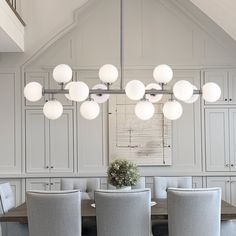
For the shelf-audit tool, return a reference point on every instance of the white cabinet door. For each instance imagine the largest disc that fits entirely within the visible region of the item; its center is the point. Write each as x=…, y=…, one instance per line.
x=55, y=184
x=37, y=158
x=38, y=184
x=232, y=131
x=40, y=77
x=232, y=87
x=221, y=78
x=217, y=139
x=223, y=183
x=61, y=143
x=10, y=123
x=233, y=191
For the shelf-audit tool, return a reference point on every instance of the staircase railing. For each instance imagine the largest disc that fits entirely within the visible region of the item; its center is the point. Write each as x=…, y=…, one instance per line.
x=13, y=5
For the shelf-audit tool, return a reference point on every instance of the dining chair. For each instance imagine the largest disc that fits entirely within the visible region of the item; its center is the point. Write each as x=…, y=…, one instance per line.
x=87, y=186
x=194, y=212
x=7, y=202
x=123, y=213
x=161, y=185
x=54, y=213
x=228, y=228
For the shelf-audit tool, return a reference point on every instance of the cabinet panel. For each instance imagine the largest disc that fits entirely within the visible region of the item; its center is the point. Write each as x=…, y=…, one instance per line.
x=40, y=77
x=61, y=143
x=197, y=182
x=221, y=78
x=233, y=191
x=217, y=139
x=55, y=184
x=10, y=158
x=223, y=183
x=232, y=131
x=232, y=87
x=38, y=184
x=36, y=141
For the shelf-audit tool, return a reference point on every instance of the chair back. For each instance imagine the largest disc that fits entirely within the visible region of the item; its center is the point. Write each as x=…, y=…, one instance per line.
x=87, y=186
x=7, y=197
x=161, y=185
x=194, y=212
x=123, y=213
x=140, y=184
x=54, y=213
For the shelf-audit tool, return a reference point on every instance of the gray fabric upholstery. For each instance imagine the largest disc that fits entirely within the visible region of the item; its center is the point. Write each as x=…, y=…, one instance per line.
x=161, y=184
x=228, y=228
x=123, y=213
x=7, y=203
x=54, y=213
x=194, y=212
x=87, y=186
x=140, y=184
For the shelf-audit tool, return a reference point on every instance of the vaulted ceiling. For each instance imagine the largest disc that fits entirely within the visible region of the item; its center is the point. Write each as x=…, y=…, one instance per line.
x=221, y=12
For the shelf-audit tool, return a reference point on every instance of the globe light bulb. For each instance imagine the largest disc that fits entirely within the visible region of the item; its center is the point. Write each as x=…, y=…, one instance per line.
x=68, y=87
x=194, y=97
x=78, y=91
x=163, y=74
x=211, y=92
x=135, y=90
x=62, y=73
x=53, y=109
x=33, y=91
x=154, y=98
x=100, y=98
x=172, y=110
x=144, y=110
x=89, y=110
x=108, y=73
x=183, y=90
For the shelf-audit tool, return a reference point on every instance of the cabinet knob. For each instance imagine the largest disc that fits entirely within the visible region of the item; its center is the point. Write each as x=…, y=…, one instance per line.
x=52, y=167
x=227, y=165
x=51, y=183
x=47, y=184
x=230, y=99
x=232, y=165
x=47, y=167
x=228, y=181
x=226, y=99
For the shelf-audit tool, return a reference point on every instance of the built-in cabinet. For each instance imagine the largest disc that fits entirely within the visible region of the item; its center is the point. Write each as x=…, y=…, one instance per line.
x=43, y=184
x=49, y=144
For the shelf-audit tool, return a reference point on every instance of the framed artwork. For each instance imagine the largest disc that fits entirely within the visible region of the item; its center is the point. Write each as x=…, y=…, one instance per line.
x=143, y=142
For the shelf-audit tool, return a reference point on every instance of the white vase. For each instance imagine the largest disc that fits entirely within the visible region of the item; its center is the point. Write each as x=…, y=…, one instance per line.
x=124, y=188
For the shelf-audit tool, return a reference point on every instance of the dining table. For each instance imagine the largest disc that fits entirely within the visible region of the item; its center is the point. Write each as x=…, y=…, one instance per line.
x=158, y=211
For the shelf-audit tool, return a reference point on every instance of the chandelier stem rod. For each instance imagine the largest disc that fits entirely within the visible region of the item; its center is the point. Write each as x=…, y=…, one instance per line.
x=121, y=46
x=112, y=91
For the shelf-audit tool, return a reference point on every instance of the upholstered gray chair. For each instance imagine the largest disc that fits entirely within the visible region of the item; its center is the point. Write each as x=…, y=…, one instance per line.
x=140, y=184
x=123, y=213
x=7, y=202
x=87, y=186
x=161, y=184
x=54, y=213
x=194, y=212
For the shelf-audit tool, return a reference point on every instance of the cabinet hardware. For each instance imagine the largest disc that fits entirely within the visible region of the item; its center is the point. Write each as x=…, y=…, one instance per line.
x=232, y=165
x=228, y=181
x=230, y=99
x=47, y=184
x=52, y=167
x=226, y=99
x=47, y=167
x=51, y=183
x=227, y=165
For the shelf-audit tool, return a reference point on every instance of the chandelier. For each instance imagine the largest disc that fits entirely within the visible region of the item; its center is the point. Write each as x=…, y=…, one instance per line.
x=145, y=96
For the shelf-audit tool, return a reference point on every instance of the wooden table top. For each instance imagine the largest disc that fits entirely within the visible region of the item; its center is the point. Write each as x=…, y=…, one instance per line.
x=159, y=211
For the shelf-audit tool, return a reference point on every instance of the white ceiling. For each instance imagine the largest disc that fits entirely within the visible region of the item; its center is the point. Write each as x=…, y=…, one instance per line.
x=222, y=12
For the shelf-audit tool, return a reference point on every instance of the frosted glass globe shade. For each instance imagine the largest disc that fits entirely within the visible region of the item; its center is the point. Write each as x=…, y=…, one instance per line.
x=89, y=110
x=211, y=92
x=108, y=73
x=68, y=87
x=78, y=91
x=172, y=110
x=33, y=91
x=194, y=97
x=135, y=90
x=153, y=98
x=183, y=90
x=53, y=109
x=100, y=98
x=163, y=74
x=144, y=110
x=62, y=73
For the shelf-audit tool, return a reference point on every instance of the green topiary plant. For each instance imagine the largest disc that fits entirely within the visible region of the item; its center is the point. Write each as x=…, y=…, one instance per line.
x=123, y=173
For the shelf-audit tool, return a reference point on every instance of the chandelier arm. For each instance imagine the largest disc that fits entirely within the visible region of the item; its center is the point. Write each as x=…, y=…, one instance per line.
x=113, y=91
x=121, y=45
